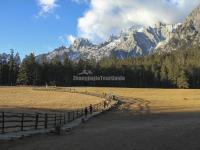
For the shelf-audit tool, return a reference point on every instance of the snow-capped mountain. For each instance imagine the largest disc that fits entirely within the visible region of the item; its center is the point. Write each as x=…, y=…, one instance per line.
x=137, y=42
x=186, y=36
x=130, y=43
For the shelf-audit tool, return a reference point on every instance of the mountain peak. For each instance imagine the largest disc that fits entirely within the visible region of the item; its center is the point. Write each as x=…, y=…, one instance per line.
x=194, y=18
x=60, y=48
x=80, y=43
x=187, y=34
x=159, y=24
x=135, y=41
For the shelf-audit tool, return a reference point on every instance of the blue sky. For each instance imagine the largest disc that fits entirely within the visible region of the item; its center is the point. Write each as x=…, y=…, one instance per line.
x=39, y=26
x=22, y=29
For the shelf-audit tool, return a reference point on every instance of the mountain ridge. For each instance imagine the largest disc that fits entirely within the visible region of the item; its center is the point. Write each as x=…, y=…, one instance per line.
x=187, y=34
x=131, y=43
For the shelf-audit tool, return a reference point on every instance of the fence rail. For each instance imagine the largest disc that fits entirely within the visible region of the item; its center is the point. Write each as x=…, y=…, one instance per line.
x=15, y=122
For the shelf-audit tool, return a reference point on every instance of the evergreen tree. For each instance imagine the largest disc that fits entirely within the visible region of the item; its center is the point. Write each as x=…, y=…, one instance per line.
x=182, y=80
x=28, y=71
x=23, y=75
x=68, y=71
x=1, y=69
x=11, y=64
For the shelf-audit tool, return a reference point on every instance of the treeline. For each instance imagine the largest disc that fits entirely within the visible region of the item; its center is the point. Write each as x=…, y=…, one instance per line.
x=179, y=69
x=9, y=68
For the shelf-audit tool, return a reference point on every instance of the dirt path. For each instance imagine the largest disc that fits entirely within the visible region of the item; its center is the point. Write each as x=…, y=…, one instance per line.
x=122, y=130
x=135, y=105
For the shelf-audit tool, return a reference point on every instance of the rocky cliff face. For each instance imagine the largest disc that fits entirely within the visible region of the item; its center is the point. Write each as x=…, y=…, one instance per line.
x=139, y=42
x=186, y=36
x=130, y=43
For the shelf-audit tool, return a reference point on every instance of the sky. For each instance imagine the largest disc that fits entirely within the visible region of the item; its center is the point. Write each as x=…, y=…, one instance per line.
x=40, y=26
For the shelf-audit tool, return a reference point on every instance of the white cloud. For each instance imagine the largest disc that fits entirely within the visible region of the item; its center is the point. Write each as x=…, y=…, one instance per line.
x=67, y=39
x=47, y=6
x=106, y=17
x=71, y=39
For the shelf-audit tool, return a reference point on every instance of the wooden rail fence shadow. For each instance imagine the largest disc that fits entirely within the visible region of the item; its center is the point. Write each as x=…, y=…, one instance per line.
x=15, y=122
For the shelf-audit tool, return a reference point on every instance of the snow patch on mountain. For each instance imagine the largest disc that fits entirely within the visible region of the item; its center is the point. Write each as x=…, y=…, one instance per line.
x=135, y=41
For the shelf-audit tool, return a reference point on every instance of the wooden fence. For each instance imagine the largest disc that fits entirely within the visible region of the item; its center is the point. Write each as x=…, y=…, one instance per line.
x=15, y=122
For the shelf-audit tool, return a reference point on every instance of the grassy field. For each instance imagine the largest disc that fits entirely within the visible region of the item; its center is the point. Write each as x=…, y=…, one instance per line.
x=161, y=100
x=27, y=98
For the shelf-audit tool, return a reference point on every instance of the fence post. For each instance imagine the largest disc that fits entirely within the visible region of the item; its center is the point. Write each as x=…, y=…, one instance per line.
x=82, y=112
x=68, y=116
x=22, y=122
x=3, y=122
x=73, y=115
x=55, y=119
x=36, y=121
x=46, y=121
x=60, y=119
x=77, y=114
x=64, y=118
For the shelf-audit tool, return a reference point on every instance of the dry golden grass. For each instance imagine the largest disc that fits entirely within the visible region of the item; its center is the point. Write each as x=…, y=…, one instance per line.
x=161, y=100
x=26, y=97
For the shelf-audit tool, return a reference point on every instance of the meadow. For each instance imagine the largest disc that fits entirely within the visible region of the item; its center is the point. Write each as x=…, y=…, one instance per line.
x=160, y=100
x=29, y=98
